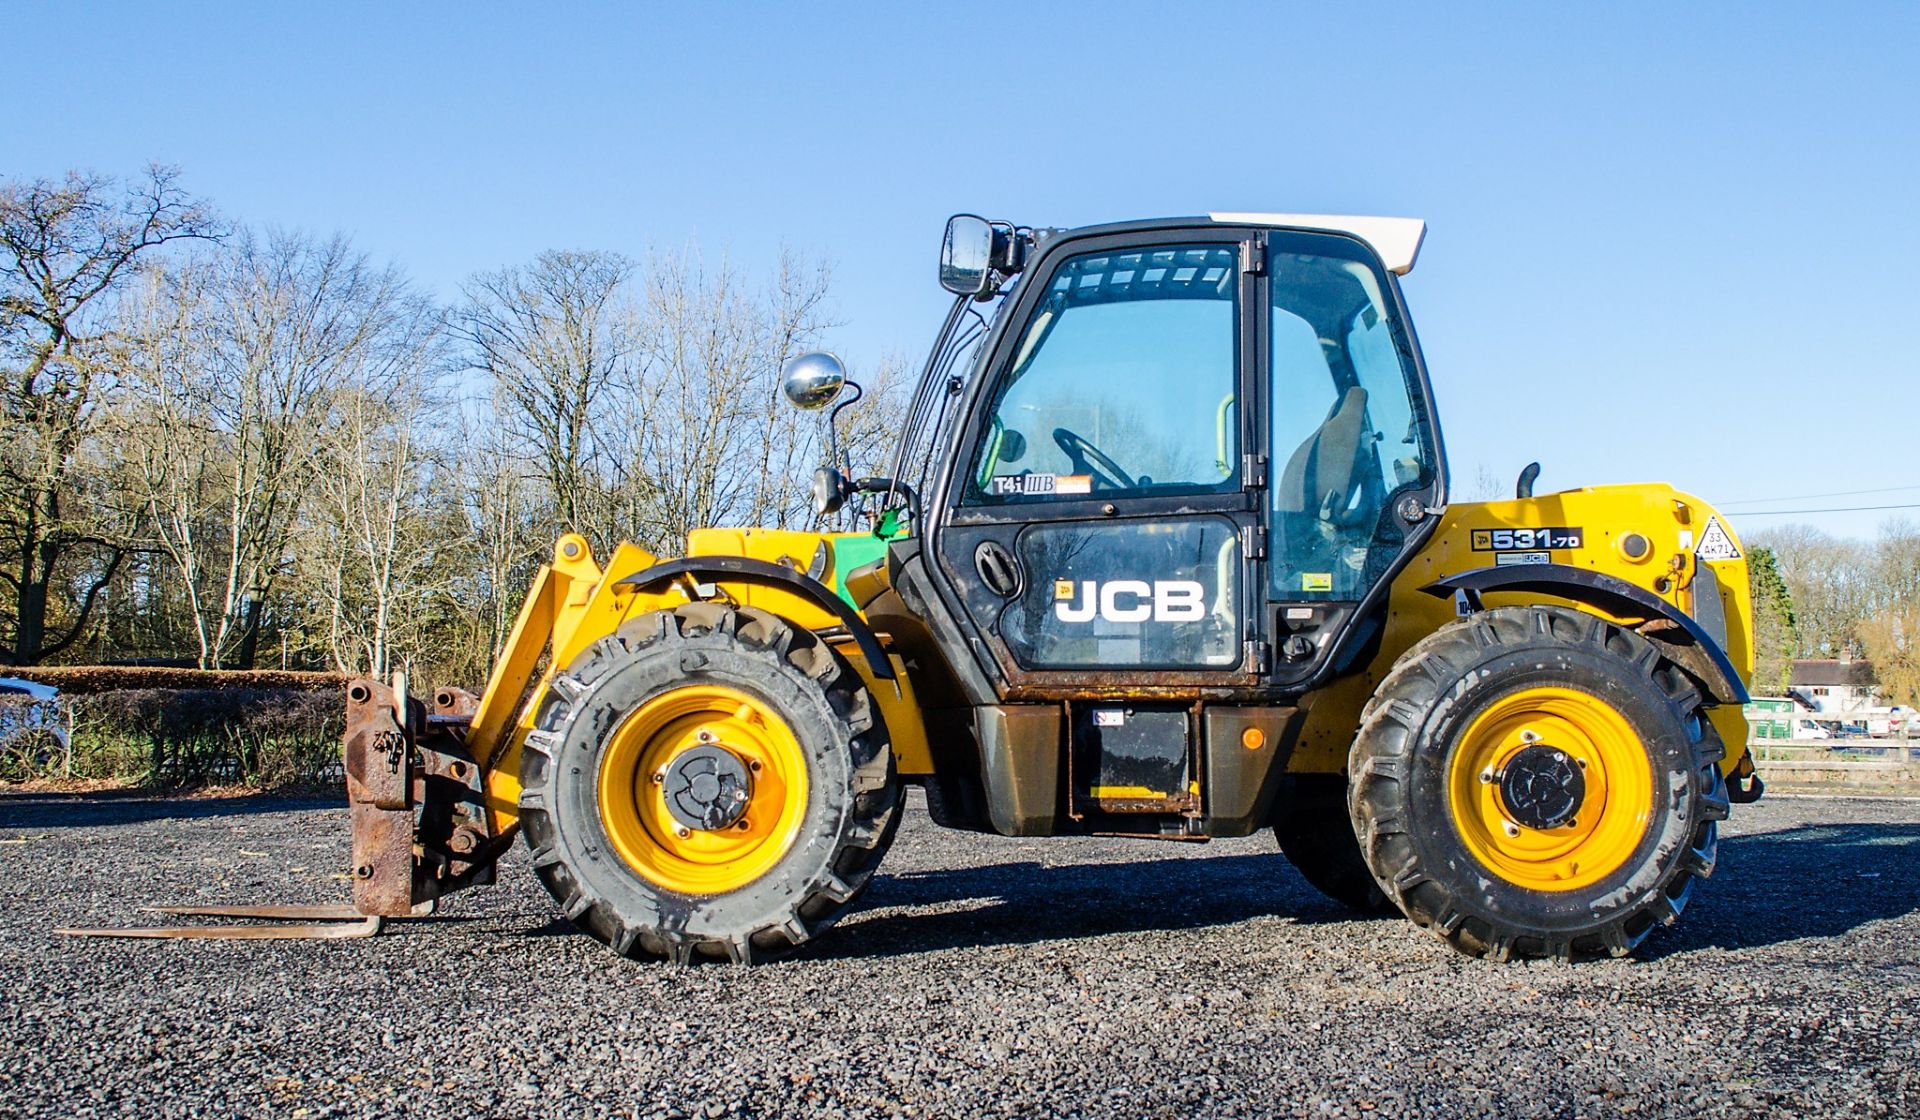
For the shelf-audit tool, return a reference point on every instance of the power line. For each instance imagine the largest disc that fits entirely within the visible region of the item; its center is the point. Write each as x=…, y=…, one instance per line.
x=1828, y=509
x=1804, y=497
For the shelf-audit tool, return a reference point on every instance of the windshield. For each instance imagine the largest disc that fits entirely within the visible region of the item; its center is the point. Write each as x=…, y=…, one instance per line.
x=1122, y=382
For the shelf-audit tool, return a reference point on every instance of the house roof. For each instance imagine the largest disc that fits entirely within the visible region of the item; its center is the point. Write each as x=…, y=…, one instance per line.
x=1833, y=673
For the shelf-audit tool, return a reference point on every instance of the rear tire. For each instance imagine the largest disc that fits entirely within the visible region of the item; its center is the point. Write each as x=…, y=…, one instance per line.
x=593, y=813
x=1315, y=831
x=1436, y=815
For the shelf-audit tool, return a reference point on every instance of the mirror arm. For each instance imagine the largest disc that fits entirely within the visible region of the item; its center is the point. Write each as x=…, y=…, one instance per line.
x=833, y=424
x=880, y=485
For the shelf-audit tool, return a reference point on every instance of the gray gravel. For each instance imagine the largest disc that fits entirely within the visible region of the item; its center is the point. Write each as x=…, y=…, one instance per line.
x=981, y=977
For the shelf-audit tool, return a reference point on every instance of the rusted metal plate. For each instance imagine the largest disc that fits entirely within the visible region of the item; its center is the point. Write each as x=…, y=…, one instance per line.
x=382, y=861
x=375, y=748
x=456, y=702
x=378, y=757
x=1178, y=803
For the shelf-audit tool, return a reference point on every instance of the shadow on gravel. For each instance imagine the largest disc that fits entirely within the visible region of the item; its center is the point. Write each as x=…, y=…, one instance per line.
x=1821, y=880
x=68, y=810
x=1818, y=881
x=1028, y=902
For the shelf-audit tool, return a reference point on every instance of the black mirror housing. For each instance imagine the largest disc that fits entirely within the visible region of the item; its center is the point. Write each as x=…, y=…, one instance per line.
x=830, y=491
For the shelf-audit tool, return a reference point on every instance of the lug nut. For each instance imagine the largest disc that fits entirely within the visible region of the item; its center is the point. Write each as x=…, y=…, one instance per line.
x=682, y=831
x=1512, y=829
x=1487, y=776
x=659, y=776
x=1573, y=822
x=743, y=825
x=754, y=766
x=704, y=735
x=1528, y=736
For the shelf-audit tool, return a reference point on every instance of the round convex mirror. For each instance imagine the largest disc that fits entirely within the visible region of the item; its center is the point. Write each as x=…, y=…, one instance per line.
x=813, y=380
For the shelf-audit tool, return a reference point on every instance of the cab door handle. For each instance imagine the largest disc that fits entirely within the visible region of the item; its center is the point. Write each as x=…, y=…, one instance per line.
x=998, y=569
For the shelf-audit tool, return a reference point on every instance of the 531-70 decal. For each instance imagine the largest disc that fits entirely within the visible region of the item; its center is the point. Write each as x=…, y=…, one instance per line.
x=1501, y=540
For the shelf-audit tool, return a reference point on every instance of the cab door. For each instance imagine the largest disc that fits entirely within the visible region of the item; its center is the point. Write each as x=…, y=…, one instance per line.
x=1100, y=521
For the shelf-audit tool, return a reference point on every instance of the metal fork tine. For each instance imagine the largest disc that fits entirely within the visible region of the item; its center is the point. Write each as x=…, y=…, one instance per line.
x=310, y=913
x=367, y=926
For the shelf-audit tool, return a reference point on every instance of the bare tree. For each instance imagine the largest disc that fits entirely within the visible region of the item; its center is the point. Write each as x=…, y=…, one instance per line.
x=1831, y=583
x=551, y=339
x=717, y=444
x=63, y=245
x=271, y=334
x=372, y=530
x=505, y=525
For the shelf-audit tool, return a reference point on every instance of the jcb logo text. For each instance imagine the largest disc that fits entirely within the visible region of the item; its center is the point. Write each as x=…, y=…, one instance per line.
x=1130, y=600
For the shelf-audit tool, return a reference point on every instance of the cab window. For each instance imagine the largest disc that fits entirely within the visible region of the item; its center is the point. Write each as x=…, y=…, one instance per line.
x=1348, y=432
x=1122, y=382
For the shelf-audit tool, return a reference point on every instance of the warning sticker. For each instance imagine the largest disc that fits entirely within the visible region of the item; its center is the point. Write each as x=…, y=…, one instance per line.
x=1316, y=581
x=1716, y=543
x=1063, y=589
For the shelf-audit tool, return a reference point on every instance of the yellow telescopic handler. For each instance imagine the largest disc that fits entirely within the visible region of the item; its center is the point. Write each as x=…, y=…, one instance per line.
x=1164, y=550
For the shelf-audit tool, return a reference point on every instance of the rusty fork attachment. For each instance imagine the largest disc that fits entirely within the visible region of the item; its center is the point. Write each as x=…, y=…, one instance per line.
x=420, y=824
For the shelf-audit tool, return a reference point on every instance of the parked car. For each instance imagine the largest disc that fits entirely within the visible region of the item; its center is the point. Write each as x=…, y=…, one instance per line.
x=33, y=728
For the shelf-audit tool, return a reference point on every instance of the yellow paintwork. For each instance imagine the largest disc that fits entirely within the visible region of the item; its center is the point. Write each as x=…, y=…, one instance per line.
x=574, y=602
x=1612, y=817
x=1605, y=514
x=633, y=804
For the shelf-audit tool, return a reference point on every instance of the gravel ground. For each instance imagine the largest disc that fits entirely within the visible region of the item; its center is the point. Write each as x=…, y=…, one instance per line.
x=981, y=977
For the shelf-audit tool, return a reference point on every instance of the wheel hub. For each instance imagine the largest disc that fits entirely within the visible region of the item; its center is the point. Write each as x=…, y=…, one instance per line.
x=707, y=788
x=1542, y=787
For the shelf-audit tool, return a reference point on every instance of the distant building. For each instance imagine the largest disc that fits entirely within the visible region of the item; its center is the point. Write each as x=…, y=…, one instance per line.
x=1839, y=684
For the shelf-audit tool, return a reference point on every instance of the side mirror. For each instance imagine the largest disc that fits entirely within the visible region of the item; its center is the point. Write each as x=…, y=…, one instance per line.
x=830, y=491
x=813, y=380
x=966, y=255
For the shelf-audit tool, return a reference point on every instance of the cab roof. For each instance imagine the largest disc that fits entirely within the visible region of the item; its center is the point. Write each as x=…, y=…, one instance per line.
x=1396, y=240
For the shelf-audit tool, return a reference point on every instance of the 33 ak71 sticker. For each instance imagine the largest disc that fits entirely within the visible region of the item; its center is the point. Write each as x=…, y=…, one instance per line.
x=1505, y=540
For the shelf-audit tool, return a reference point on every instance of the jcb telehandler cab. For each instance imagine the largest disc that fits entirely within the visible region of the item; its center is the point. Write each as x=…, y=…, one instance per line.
x=1164, y=551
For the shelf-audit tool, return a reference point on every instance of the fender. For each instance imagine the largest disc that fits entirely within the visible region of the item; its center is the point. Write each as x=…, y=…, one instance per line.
x=1700, y=652
x=740, y=569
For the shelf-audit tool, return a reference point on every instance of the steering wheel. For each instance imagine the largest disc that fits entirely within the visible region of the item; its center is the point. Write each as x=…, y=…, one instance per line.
x=1088, y=459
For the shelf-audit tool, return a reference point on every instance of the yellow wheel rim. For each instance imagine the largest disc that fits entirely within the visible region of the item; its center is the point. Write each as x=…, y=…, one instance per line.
x=1611, y=818
x=633, y=801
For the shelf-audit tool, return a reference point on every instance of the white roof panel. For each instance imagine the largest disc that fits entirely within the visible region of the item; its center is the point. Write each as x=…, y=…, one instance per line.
x=1397, y=240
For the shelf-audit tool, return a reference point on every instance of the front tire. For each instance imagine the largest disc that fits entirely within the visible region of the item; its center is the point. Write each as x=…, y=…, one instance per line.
x=707, y=782
x=1537, y=782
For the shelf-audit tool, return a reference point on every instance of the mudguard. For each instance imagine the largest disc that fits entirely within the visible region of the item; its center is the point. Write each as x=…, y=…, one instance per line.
x=740, y=569
x=1705, y=654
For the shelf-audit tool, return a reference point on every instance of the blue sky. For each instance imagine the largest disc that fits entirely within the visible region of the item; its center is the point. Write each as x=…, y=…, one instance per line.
x=1665, y=242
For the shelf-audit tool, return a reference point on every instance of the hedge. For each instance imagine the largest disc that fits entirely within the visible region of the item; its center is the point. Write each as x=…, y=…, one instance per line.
x=268, y=737
x=86, y=679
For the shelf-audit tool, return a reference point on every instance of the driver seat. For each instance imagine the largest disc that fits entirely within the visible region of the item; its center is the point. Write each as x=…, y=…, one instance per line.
x=1319, y=476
